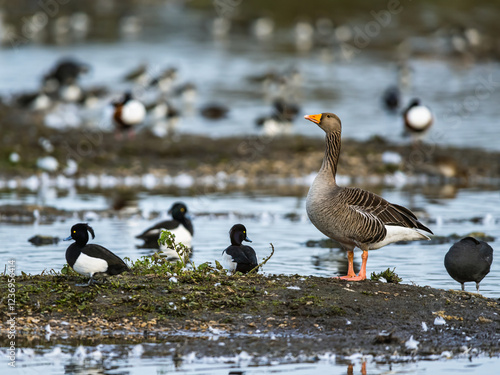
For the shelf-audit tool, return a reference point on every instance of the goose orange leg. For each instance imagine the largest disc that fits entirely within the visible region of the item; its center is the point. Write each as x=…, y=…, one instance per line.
x=350, y=266
x=351, y=276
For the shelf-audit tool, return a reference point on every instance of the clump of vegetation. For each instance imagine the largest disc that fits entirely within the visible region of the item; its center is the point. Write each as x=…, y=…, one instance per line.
x=167, y=239
x=389, y=275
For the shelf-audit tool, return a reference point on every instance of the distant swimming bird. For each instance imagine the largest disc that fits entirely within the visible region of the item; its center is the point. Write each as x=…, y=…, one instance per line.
x=138, y=75
x=70, y=93
x=274, y=125
x=91, y=97
x=62, y=81
x=163, y=118
x=165, y=80
x=417, y=117
x=180, y=225
x=286, y=110
x=214, y=111
x=40, y=240
x=128, y=113
x=162, y=109
x=352, y=216
x=391, y=98
x=67, y=71
x=238, y=257
x=265, y=78
x=469, y=260
x=89, y=259
x=280, y=120
x=187, y=92
x=36, y=101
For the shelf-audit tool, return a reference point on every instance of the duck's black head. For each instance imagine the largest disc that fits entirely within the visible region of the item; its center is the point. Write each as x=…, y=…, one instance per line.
x=178, y=211
x=238, y=234
x=329, y=122
x=126, y=98
x=414, y=103
x=79, y=233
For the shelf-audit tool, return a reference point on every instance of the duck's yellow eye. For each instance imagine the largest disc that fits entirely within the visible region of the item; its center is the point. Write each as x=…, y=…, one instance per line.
x=182, y=210
x=244, y=231
x=74, y=231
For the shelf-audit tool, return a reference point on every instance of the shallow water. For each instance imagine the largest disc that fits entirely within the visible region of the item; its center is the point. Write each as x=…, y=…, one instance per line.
x=268, y=221
x=157, y=358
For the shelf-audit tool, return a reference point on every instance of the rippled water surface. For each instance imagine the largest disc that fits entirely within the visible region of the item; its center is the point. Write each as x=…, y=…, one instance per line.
x=151, y=358
x=268, y=220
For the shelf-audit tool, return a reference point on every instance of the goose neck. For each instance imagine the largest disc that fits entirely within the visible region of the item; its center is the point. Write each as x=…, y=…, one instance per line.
x=332, y=152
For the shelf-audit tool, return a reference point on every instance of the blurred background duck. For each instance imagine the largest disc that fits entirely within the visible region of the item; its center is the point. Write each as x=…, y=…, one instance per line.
x=180, y=225
x=164, y=81
x=280, y=121
x=391, y=98
x=128, y=113
x=417, y=118
x=214, y=111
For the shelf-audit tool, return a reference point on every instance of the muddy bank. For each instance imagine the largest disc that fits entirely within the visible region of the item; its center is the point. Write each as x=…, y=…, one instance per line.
x=215, y=314
x=251, y=161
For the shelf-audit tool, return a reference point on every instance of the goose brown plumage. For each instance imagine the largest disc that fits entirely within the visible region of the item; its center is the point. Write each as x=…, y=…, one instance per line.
x=354, y=217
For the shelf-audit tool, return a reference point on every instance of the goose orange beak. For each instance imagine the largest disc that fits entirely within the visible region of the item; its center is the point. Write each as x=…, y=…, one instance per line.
x=314, y=118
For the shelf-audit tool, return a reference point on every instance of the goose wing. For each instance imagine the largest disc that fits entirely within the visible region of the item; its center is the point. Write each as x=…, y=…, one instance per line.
x=370, y=213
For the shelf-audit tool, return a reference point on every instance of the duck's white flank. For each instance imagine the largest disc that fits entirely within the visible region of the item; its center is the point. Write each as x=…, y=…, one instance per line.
x=419, y=116
x=133, y=112
x=182, y=235
x=88, y=266
x=228, y=262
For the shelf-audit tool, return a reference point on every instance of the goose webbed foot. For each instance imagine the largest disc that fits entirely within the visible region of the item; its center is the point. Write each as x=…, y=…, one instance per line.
x=352, y=278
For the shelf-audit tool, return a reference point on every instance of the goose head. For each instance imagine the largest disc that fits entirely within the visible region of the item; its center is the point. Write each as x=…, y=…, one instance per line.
x=329, y=122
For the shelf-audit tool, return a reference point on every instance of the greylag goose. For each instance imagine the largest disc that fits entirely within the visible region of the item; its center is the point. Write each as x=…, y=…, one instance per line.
x=352, y=216
x=469, y=260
